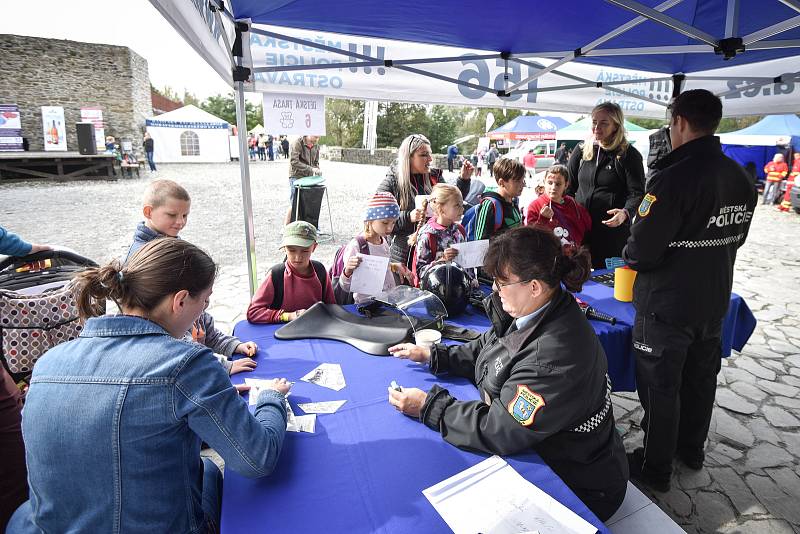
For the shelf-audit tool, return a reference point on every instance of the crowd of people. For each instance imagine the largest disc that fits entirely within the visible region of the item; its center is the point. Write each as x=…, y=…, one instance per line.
x=264, y=147
x=540, y=369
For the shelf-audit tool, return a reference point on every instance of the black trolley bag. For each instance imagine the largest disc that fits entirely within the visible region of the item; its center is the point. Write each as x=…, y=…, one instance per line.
x=38, y=308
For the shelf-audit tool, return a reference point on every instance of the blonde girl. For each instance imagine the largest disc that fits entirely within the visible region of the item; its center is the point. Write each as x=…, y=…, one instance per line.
x=434, y=238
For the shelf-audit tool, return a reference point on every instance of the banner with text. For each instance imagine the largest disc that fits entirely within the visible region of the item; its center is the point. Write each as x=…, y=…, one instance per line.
x=394, y=84
x=55, y=131
x=95, y=116
x=10, y=128
x=291, y=114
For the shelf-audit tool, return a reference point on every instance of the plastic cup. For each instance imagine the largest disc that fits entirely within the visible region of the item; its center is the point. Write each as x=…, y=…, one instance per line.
x=427, y=337
x=623, y=283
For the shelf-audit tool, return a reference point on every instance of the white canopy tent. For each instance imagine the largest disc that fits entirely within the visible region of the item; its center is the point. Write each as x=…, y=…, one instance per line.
x=636, y=53
x=189, y=135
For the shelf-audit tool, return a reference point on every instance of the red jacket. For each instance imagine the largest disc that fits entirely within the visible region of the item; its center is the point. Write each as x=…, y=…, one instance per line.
x=529, y=160
x=776, y=171
x=299, y=293
x=571, y=221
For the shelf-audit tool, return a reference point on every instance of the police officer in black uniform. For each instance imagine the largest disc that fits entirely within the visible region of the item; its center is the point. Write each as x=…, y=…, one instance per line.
x=694, y=216
x=540, y=370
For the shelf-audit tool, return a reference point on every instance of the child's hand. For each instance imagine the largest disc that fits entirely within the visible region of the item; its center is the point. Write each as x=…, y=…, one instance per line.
x=352, y=265
x=295, y=314
x=546, y=212
x=242, y=388
x=404, y=272
x=248, y=348
x=449, y=254
x=467, y=170
x=416, y=215
x=243, y=364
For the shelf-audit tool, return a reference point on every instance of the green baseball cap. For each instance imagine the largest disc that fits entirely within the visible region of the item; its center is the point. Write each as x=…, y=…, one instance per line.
x=299, y=234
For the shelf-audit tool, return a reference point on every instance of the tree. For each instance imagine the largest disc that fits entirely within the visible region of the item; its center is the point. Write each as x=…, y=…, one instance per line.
x=397, y=121
x=344, y=122
x=190, y=98
x=224, y=107
x=442, y=129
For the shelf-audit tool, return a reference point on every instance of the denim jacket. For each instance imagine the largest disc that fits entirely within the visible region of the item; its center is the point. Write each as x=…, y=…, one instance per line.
x=113, y=424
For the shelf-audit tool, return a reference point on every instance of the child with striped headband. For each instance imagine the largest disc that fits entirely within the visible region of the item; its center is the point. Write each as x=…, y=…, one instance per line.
x=379, y=220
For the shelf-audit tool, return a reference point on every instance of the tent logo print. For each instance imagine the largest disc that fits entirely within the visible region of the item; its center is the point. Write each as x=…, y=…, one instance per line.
x=658, y=93
x=545, y=124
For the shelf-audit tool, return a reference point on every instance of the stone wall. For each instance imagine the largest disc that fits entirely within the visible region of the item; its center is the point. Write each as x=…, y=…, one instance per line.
x=381, y=156
x=51, y=72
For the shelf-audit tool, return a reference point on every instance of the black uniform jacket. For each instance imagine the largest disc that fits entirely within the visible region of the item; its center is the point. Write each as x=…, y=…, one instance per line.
x=609, y=180
x=539, y=383
x=695, y=215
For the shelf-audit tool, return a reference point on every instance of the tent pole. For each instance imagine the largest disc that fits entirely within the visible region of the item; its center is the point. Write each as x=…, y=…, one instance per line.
x=247, y=198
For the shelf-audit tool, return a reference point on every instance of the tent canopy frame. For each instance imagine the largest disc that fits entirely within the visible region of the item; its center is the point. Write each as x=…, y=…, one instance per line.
x=729, y=46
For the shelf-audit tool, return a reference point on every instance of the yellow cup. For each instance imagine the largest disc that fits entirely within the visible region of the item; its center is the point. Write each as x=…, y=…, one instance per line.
x=623, y=283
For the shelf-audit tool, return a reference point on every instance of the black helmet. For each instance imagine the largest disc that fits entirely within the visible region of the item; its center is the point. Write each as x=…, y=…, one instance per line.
x=450, y=283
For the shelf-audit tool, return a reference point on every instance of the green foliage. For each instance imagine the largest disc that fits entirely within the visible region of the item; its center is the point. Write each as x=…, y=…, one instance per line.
x=442, y=126
x=731, y=124
x=224, y=107
x=344, y=122
x=397, y=121
x=648, y=124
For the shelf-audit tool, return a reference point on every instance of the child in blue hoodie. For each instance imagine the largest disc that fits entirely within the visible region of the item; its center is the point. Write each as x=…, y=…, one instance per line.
x=166, y=210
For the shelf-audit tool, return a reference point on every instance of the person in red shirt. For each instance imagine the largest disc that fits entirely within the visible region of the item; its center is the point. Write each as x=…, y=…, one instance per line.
x=529, y=160
x=776, y=170
x=569, y=220
x=305, y=282
x=786, y=205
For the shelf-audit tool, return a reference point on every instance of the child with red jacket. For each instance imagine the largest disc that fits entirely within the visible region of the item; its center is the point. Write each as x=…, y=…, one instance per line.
x=569, y=220
x=301, y=281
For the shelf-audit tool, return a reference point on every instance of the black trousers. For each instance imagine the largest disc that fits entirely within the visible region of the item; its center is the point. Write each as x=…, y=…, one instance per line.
x=676, y=375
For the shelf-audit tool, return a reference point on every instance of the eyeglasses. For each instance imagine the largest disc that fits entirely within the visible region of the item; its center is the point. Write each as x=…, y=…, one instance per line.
x=497, y=286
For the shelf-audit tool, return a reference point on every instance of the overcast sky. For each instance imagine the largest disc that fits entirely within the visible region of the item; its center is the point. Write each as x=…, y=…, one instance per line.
x=135, y=24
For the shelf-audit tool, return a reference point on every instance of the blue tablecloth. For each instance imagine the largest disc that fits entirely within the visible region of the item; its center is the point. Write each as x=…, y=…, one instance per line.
x=365, y=467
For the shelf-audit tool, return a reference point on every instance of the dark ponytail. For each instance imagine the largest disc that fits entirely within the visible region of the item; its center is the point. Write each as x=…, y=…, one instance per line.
x=160, y=268
x=535, y=253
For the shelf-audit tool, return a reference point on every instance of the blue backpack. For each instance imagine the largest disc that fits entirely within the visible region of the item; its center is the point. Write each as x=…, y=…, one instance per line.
x=470, y=218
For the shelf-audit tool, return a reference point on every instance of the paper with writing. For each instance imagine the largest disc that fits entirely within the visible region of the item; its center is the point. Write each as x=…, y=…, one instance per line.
x=369, y=277
x=471, y=253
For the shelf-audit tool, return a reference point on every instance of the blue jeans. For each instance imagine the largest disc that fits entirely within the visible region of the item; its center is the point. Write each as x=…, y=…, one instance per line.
x=150, y=161
x=212, y=493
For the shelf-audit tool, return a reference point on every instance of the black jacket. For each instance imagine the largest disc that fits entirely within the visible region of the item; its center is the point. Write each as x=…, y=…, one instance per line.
x=686, y=232
x=404, y=226
x=557, y=357
x=609, y=180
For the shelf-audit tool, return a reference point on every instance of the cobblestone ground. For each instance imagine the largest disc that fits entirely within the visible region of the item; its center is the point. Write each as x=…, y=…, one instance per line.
x=751, y=480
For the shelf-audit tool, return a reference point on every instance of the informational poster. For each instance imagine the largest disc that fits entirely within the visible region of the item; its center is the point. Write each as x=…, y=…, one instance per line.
x=10, y=128
x=294, y=114
x=95, y=116
x=55, y=131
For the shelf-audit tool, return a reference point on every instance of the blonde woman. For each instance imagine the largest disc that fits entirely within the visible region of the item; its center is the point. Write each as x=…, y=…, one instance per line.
x=606, y=175
x=409, y=176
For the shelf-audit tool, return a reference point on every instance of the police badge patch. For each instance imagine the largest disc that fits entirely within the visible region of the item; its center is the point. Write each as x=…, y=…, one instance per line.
x=525, y=404
x=647, y=203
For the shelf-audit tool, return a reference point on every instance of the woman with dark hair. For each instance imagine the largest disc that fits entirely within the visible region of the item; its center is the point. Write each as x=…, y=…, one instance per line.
x=540, y=370
x=113, y=420
x=409, y=176
x=606, y=176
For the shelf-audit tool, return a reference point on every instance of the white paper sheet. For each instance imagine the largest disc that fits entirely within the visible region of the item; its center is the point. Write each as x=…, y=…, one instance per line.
x=299, y=423
x=491, y=497
x=419, y=199
x=327, y=375
x=321, y=407
x=471, y=253
x=370, y=275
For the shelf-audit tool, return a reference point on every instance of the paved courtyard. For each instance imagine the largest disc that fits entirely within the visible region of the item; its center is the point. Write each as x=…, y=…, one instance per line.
x=751, y=481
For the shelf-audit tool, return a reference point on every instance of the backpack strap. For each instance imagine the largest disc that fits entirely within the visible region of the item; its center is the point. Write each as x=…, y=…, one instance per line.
x=363, y=246
x=277, y=273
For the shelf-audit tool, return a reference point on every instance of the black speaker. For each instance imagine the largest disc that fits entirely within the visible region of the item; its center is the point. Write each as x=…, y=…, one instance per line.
x=86, y=141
